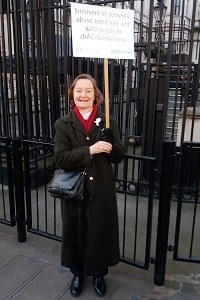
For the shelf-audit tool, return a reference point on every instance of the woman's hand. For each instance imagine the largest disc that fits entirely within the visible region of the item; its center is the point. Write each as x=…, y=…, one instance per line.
x=100, y=147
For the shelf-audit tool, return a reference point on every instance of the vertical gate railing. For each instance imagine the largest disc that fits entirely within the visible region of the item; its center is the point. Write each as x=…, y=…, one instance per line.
x=7, y=203
x=19, y=188
x=136, y=211
x=188, y=199
x=135, y=201
x=164, y=211
x=187, y=236
x=37, y=66
x=42, y=210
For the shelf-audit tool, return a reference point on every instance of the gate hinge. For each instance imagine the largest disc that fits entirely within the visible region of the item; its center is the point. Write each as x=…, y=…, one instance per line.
x=170, y=248
x=152, y=260
x=177, y=154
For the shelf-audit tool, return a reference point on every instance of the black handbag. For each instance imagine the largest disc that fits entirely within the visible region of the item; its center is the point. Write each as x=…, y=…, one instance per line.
x=67, y=185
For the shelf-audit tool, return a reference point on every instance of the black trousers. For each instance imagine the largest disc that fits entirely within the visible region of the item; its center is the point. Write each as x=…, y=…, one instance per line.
x=78, y=271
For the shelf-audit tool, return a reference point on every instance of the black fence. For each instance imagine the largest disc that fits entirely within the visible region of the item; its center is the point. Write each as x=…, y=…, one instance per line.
x=27, y=204
x=36, y=211
x=153, y=98
x=188, y=190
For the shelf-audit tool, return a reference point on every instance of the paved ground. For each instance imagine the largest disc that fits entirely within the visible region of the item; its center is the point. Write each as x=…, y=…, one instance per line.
x=31, y=270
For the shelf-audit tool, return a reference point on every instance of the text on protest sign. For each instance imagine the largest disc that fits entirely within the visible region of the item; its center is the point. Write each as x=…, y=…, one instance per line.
x=102, y=32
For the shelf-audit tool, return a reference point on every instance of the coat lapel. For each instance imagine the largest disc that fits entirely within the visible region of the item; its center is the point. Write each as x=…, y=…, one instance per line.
x=76, y=123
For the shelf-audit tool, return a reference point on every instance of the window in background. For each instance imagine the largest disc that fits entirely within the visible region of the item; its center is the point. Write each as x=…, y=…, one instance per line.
x=177, y=7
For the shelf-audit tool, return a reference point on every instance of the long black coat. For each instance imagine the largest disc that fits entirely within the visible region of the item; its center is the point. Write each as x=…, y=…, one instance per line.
x=90, y=227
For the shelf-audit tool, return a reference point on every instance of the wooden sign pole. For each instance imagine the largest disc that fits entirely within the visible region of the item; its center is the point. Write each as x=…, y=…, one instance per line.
x=106, y=85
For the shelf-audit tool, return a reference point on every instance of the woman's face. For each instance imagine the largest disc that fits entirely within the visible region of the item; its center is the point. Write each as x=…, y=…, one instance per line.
x=84, y=95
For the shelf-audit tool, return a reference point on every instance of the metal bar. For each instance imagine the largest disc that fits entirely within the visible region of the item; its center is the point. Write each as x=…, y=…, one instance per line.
x=189, y=71
x=164, y=211
x=27, y=183
x=35, y=171
x=52, y=68
x=45, y=192
x=4, y=127
x=125, y=200
x=33, y=66
x=180, y=198
x=166, y=83
x=42, y=26
x=19, y=189
x=146, y=96
x=136, y=211
x=194, y=96
x=45, y=234
x=196, y=183
x=2, y=182
x=20, y=91
x=150, y=212
x=10, y=181
x=4, y=84
x=14, y=110
x=26, y=63
x=67, y=59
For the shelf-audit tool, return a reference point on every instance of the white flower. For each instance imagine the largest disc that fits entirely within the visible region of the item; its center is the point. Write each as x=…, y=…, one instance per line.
x=97, y=121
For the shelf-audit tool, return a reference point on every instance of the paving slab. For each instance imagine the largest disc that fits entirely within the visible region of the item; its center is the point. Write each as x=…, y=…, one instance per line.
x=49, y=284
x=15, y=273
x=32, y=271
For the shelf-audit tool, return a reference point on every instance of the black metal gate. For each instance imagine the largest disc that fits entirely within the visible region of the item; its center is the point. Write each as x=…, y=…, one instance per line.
x=135, y=199
x=153, y=98
x=188, y=195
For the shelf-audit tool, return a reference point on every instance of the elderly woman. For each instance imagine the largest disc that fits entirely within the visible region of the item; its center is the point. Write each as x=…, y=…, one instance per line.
x=90, y=236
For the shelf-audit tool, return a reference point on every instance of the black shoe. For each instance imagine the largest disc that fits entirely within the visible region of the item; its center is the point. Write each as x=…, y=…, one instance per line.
x=76, y=286
x=99, y=285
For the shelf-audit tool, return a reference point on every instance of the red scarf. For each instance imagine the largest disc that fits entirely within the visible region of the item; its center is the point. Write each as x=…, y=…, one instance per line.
x=86, y=123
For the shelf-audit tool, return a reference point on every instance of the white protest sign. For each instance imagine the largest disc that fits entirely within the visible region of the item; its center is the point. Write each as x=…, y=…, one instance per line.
x=102, y=32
